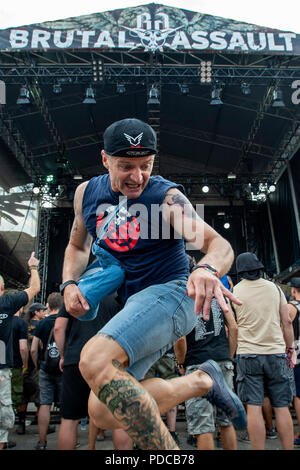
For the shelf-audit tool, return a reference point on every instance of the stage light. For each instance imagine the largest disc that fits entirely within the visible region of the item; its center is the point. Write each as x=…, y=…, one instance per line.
x=24, y=95
x=49, y=178
x=231, y=176
x=153, y=95
x=272, y=188
x=77, y=177
x=121, y=88
x=245, y=88
x=184, y=89
x=277, y=99
x=220, y=213
x=216, y=96
x=36, y=190
x=57, y=88
x=227, y=225
x=89, y=96
x=205, y=189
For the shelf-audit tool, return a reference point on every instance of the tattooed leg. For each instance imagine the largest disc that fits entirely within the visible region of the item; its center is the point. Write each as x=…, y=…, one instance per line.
x=137, y=412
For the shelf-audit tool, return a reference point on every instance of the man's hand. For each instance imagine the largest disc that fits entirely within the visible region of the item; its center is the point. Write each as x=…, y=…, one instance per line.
x=75, y=303
x=33, y=262
x=202, y=286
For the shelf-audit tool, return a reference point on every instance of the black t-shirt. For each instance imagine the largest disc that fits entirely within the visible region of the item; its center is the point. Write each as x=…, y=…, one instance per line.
x=79, y=332
x=9, y=305
x=42, y=331
x=31, y=329
x=19, y=332
x=208, y=340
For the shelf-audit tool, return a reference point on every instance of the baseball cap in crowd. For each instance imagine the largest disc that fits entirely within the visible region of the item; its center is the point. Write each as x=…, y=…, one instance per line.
x=294, y=282
x=130, y=138
x=37, y=306
x=248, y=262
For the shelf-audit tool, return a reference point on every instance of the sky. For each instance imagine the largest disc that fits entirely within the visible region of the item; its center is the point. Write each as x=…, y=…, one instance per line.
x=277, y=15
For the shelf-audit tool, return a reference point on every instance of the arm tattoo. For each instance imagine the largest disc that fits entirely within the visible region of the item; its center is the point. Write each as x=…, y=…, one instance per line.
x=180, y=200
x=130, y=404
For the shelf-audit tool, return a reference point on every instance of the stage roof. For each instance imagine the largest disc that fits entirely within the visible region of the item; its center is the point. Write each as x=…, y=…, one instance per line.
x=121, y=55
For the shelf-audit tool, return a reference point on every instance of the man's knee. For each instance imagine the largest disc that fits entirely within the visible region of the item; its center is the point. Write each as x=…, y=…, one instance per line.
x=99, y=357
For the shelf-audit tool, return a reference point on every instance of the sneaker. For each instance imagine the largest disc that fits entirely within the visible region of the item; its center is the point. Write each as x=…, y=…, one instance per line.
x=297, y=441
x=9, y=444
x=271, y=434
x=244, y=436
x=175, y=436
x=192, y=440
x=41, y=446
x=223, y=397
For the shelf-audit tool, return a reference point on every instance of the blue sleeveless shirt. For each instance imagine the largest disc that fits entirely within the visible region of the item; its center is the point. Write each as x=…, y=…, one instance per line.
x=136, y=235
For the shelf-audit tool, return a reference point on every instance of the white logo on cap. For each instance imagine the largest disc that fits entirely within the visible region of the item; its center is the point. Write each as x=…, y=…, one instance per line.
x=135, y=141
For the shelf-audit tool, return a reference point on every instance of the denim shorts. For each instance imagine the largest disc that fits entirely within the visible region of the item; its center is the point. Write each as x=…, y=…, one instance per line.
x=201, y=418
x=50, y=388
x=260, y=375
x=150, y=322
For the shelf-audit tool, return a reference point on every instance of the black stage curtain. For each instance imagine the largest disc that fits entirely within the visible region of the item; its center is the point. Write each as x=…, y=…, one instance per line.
x=284, y=223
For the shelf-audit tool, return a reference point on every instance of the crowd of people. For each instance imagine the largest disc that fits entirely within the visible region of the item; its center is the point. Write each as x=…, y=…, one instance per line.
x=176, y=330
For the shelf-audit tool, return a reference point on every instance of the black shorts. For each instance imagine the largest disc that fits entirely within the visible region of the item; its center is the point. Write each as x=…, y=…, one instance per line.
x=75, y=394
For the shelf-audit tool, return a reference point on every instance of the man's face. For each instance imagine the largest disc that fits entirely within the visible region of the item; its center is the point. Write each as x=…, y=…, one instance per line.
x=128, y=175
x=40, y=314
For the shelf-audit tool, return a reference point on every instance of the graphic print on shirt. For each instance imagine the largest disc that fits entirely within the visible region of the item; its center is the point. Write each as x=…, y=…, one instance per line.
x=216, y=313
x=123, y=231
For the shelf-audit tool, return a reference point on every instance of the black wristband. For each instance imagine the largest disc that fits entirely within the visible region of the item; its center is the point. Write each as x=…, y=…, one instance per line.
x=209, y=268
x=65, y=284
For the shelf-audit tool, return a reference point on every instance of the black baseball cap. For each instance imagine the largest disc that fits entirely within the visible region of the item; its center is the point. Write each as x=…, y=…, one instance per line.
x=247, y=262
x=130, y=138
x=294, y=282
x=37, y=306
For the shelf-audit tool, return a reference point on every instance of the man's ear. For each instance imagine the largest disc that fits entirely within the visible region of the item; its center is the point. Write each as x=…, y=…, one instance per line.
x=105, y=159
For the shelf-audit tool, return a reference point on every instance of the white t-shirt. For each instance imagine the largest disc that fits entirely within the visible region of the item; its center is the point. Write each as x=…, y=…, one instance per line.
x=258, y=319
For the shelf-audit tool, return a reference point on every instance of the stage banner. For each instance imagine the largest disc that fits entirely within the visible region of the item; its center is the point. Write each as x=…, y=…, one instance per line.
x=151, y=28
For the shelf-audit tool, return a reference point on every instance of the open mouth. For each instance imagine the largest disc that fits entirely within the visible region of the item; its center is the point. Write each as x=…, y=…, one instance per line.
x=133, y=186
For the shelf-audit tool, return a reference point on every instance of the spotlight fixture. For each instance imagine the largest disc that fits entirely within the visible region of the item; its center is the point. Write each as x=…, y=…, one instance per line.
x=226, y=225
x=184, y=89
x=77, y=177
x=277, y=99
x=272, y=188
x=220, y=213
x=49, y=178
x=231, y=176
x=153, y=95
x=216, y=96
x=245, y=88
x=121, y=88
x=57, y=88
x=36, y=190
x=24, y=95
x=97, y=69
x=205, y=72
x=205, y=188
x=89, y=96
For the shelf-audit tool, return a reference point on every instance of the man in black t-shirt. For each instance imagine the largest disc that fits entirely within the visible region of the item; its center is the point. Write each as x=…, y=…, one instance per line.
x=9, y=305
x=71, y=335
x=208, y=340
x=20, y=353
x=50, y=383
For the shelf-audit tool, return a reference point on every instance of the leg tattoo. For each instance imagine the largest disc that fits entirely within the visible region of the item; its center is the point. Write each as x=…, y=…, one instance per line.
x=137, y=412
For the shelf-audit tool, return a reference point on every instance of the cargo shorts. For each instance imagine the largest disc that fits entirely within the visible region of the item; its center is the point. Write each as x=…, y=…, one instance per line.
x=7, y=416
x=201, y=417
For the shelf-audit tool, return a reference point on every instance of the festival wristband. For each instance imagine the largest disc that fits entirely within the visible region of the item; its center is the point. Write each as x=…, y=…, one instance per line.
x=209, y=268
